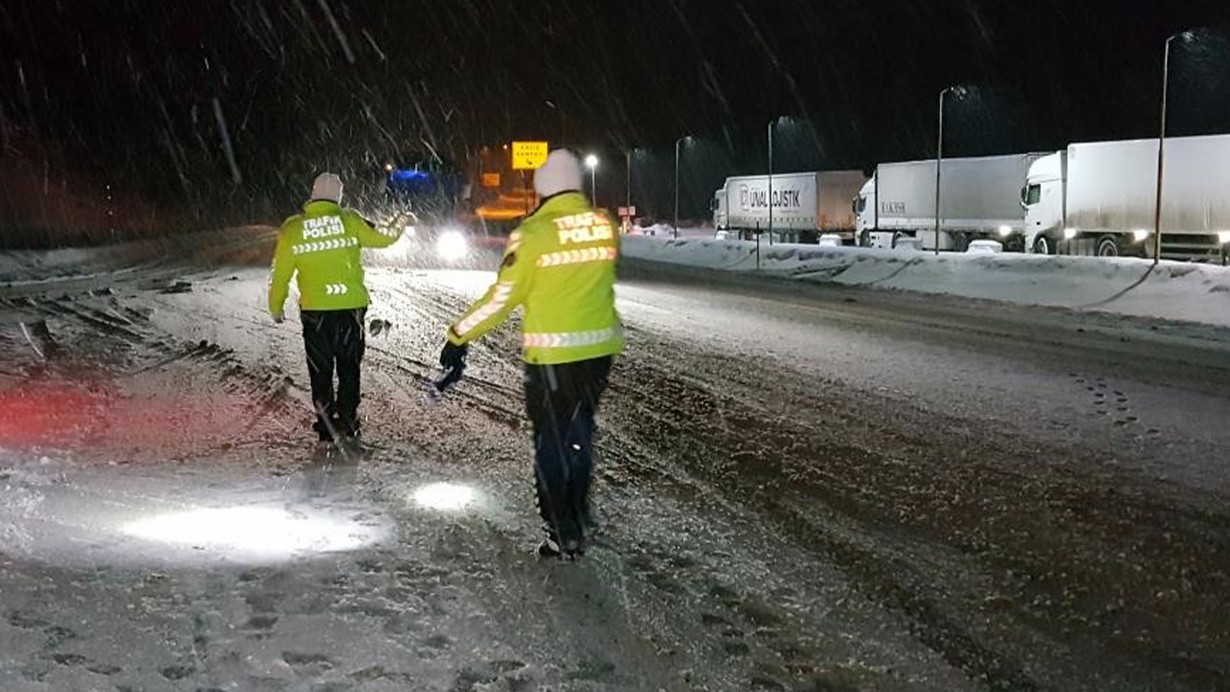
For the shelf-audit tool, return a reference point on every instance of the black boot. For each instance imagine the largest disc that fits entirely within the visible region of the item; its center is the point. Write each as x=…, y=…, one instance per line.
x=549, y=547
x=567, y=549
x=573, y=549
x=322, y=431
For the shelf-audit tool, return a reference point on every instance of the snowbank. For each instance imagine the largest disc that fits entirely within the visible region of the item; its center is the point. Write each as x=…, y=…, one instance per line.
x=246, y=245
x=660, y=230
x=1129, y=286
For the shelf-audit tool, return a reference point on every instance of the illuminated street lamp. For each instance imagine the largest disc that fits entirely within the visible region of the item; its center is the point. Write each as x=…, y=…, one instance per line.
x=1187, y=36
x=770, y=193
x=939, y=159
x=591, y=162
x=785, y=119
x=626, y=217
x=628, y=176
x=563, y=130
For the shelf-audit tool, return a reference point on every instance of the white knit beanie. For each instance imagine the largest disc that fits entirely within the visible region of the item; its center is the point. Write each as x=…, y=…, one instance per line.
x=560, y=173
x=327, y=186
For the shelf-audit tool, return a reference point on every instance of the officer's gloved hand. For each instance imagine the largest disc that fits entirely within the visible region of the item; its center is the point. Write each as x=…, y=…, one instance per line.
x=453, y=356
x=452, y=365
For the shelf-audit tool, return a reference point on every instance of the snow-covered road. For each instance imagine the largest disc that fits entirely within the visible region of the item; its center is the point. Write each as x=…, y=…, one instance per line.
x=800, y=488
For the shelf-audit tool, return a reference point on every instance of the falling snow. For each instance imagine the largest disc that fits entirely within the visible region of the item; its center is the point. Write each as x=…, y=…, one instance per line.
x=820, y=468
x=800, y=488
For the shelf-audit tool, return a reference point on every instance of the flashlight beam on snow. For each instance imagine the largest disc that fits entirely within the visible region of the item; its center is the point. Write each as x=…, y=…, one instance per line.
x=447, y=497
x=258, y=532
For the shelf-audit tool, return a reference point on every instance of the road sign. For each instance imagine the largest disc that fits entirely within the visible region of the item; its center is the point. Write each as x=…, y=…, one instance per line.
x=491, y=179
x=627, y=211
x=527, y=156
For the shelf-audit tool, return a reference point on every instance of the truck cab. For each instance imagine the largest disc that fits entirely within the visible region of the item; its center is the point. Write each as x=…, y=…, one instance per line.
x=866, y=233
x=1077, y=200
x=1043, y=199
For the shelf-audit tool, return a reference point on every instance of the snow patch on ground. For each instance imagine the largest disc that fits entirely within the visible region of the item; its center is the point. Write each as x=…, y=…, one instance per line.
x=20, y=267
x=1128, y=286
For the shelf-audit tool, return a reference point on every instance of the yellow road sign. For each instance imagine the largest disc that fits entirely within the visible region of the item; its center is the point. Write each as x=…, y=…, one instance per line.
x=527, y=156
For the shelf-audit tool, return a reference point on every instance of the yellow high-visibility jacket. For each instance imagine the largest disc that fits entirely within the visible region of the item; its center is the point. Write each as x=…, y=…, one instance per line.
x=559, y=264
x=322, y=245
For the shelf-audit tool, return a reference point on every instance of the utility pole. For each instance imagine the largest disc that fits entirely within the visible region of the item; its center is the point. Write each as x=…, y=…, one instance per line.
x=939, y=163
x=628, y=178
x=1161, y=144
x=675, y=228
x=770, y=195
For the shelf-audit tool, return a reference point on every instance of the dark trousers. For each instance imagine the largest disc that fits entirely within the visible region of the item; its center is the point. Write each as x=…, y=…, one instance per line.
x=334, y=339
x=561, y=401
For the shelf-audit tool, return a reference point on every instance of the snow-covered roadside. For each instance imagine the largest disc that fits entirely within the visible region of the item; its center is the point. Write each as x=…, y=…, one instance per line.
x=1128, y=286
x=23, y=267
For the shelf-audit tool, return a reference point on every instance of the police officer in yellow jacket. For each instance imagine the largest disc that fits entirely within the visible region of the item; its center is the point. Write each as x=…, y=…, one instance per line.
x=560, y=265
x=321, y=245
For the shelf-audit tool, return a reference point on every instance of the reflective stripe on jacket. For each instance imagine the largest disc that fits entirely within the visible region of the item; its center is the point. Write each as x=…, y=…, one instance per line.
x=321, y=246
x=559, y=264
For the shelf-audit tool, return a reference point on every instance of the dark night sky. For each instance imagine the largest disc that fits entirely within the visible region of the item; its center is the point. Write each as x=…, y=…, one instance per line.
x=135, y=92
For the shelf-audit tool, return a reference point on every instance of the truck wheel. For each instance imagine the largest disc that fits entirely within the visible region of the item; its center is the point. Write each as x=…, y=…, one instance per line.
x=1108, y=246
x=1043, y=246
x=864, y=238
x=960, y=242
x=897, y=235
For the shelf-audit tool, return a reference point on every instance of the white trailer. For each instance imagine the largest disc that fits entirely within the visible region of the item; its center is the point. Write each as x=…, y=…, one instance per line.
x=1100, y=198
x=979, y=200
x=803, y=206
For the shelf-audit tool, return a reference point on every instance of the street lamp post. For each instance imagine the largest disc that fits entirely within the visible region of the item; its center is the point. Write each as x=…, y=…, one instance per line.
x=591, y=162
x=939, y=160
x=627, y=218
x=678, y=142
x=770, y=193
x=631, y=153
x=562, y=126
x=1161, y=142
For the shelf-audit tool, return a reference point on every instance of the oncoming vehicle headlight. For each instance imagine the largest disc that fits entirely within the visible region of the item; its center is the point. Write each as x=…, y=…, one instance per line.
x=1069, y=233
x=1005, y=231
x=1223, y=237
x=451, y=245
x=1139, y=235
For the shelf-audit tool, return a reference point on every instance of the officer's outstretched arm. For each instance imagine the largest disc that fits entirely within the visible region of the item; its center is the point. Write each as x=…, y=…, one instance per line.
x=512, y=285
x=368, y=236
x=280, y=274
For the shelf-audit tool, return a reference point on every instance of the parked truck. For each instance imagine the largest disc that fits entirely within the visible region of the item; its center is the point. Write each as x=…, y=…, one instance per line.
x=793, y=207
x=979, y=200
x=1100, y=198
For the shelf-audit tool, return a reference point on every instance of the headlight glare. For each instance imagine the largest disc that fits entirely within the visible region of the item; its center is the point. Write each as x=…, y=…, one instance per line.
x=451, y=245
